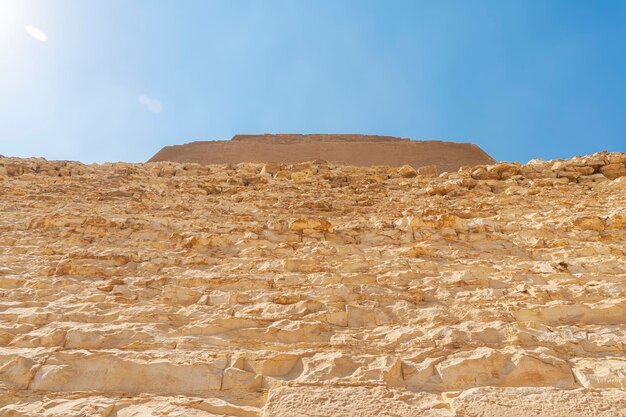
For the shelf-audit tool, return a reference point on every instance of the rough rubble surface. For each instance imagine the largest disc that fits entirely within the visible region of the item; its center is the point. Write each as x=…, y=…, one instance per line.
x=313, y=289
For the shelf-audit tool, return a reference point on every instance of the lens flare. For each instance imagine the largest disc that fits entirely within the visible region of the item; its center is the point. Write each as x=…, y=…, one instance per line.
x=36, y=33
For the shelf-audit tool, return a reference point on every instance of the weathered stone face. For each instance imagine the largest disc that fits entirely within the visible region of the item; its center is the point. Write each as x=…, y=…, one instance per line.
x=359, y=150
x=313, y=289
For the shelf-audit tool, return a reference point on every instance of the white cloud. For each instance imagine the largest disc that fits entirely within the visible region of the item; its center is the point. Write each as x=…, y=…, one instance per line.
x=153, y=105
x=36, y=33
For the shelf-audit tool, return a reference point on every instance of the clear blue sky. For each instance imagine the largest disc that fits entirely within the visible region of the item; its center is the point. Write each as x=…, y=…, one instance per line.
x=522, y=79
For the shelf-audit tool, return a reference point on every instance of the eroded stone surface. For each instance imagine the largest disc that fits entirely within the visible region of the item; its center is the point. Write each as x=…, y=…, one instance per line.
x=312, y=289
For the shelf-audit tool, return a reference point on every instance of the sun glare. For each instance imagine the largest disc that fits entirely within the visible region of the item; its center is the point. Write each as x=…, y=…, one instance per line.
x=36, y=33
x=11, y=18
x=10, y=12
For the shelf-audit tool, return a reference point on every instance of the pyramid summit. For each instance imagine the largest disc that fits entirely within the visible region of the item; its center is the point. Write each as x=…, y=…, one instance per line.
x=352, y=149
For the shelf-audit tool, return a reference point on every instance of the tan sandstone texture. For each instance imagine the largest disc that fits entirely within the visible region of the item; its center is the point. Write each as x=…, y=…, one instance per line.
x=315, y=289
x=361, y=150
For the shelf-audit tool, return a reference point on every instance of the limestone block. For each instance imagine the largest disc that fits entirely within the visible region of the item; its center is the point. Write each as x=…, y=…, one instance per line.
x=302, y=225
x=106, y=372
x=375, y=401
x=407, y=171
x=596, y=373
x=428, y=171
x=540, y=402
x=613, y=171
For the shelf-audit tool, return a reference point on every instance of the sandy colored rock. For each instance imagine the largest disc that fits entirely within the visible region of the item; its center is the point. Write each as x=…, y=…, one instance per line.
x=547, y=402
x=613, y=171
x=357, y=401
x=407, y=171
x=312, y=288
x=428, y=171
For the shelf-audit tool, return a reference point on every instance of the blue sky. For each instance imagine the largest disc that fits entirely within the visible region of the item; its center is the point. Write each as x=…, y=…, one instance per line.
x=119, y=79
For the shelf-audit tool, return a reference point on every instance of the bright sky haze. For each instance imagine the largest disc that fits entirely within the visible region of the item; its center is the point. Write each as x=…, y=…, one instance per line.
x=111, y=80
